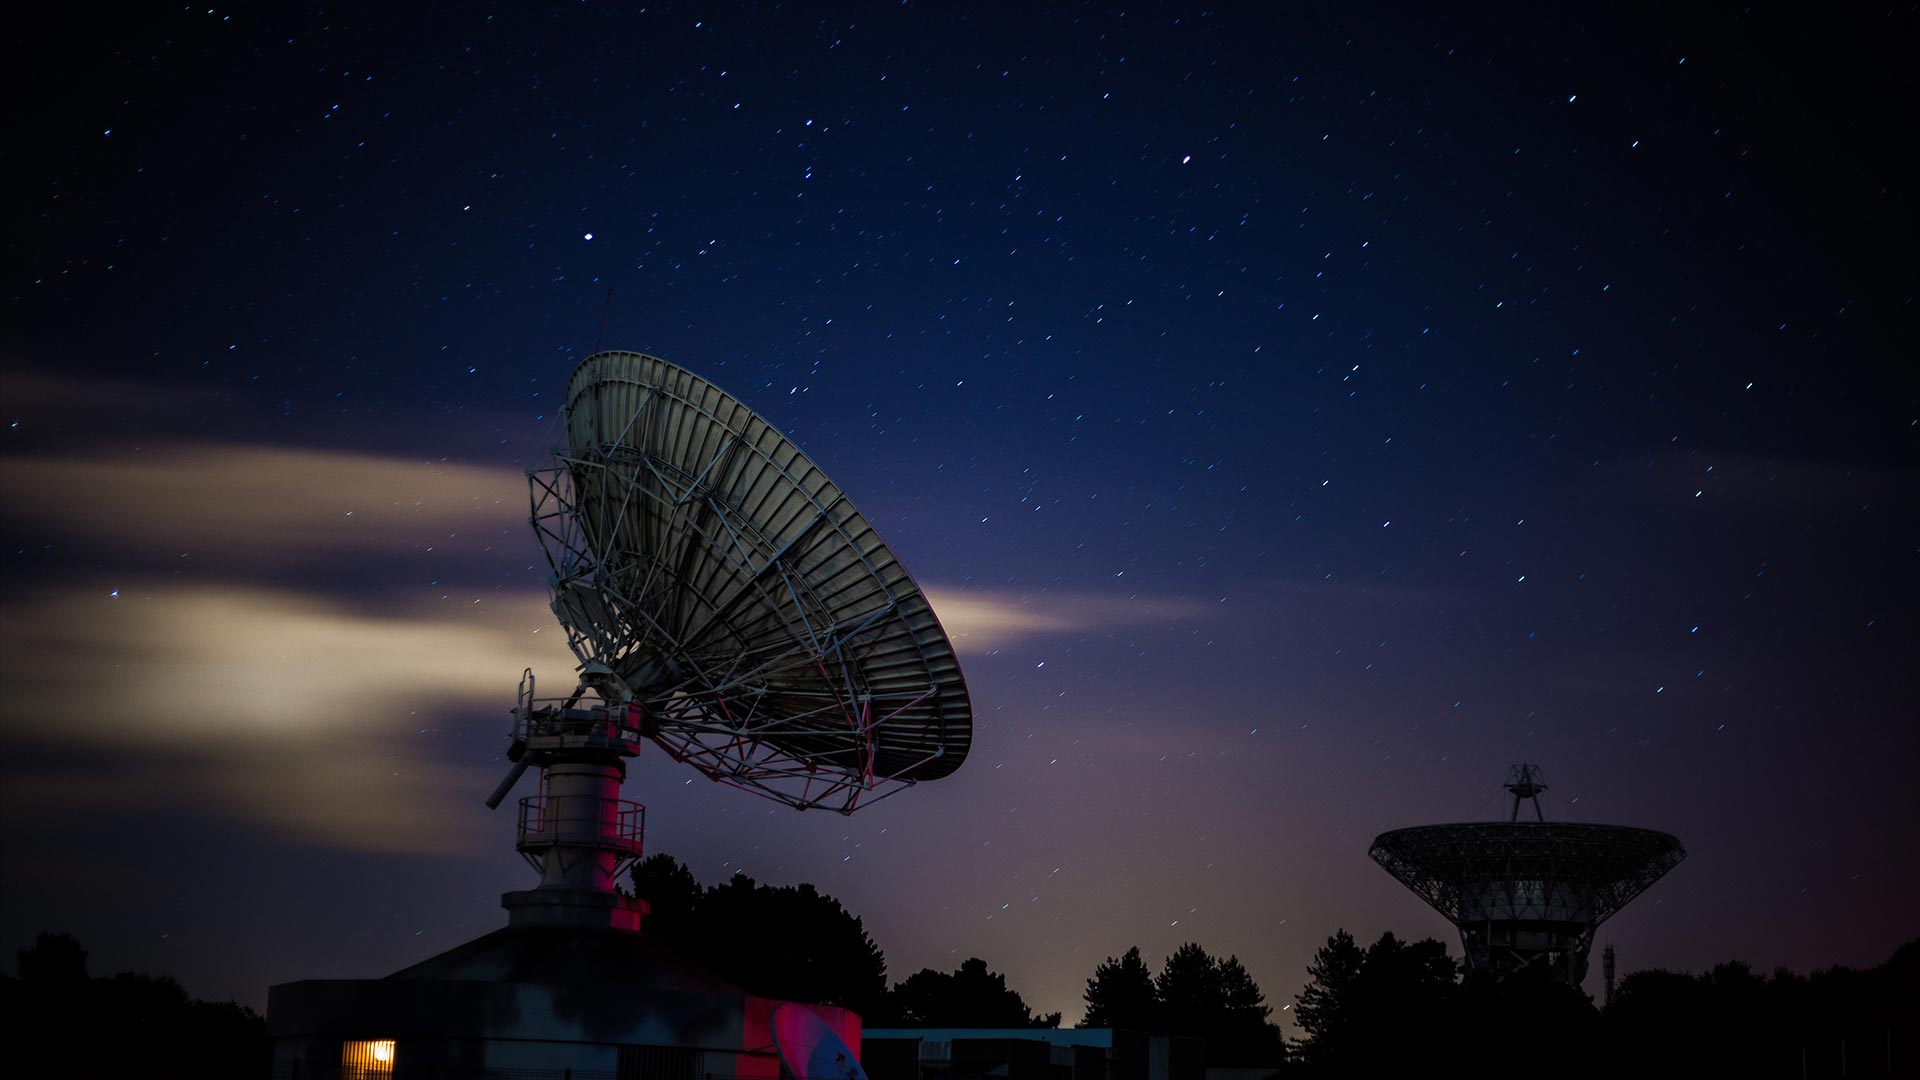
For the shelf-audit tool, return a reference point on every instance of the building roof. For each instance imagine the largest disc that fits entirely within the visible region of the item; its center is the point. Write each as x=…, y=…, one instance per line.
x=573, y=956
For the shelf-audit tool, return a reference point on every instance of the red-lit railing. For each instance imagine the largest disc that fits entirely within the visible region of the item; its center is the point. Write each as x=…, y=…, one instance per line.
x=581, y=821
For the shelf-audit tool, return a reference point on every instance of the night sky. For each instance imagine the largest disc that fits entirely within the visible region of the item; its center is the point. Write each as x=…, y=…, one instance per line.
x=1298, y=414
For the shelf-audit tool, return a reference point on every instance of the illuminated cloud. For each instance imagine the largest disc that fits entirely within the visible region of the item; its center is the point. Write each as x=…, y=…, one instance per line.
x=984, y=620
x=338, y=726
x=253, y=500
x=351, y=725
x=332, y=724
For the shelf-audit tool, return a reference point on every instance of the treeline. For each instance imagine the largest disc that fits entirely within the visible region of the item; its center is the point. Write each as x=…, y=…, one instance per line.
x=70, y=1025
x=1399, y=1007
x=1390, y=1008
x=797, y=944
x=1194, y=994
x=1836, y=1022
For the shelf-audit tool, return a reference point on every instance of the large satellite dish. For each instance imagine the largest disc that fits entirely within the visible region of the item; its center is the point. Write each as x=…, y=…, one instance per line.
x=727, y=603
x=769, y=637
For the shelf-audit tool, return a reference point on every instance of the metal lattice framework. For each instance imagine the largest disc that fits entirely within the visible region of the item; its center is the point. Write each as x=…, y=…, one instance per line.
x=1527, y=892
x=765, y=633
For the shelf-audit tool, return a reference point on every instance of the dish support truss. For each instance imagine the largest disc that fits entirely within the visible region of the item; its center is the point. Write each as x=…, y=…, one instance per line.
x=1526, y=894
x=788, y=717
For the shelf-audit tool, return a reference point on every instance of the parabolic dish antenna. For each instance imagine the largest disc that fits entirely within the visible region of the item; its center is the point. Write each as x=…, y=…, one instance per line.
x=1527, y=893
x=768, y=636
x=810, y=1049
x=727, y=603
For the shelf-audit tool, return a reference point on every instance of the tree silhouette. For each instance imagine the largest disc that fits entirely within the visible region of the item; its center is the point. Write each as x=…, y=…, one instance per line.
x=1732, y=1020
x=971, y=997
x=55, y=962
x=1323, y=1009
x=156, y=1030
x=794, y=943
x=1189, y=990
x=1120, y=995
x=1380, y=1011
x=1409, y=980
x=672, y=894
x=791, y=943
x=1244, y=1036
x=1395, y=1008
x=1529, y=1015
x=1194, y=994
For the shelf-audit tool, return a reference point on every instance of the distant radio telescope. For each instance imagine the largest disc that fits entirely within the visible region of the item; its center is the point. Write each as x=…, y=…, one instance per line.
x=1527, y=893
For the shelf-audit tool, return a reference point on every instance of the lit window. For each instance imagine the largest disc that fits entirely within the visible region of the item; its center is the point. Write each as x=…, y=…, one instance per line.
x=366, y=1059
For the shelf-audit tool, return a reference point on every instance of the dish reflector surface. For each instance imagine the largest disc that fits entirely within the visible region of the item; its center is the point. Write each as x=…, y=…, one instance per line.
x=810, y=1049
x=1527, y=870
x=766, y=633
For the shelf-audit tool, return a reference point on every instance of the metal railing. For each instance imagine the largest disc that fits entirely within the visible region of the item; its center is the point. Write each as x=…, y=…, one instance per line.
x=551, y=820
x=555, y=718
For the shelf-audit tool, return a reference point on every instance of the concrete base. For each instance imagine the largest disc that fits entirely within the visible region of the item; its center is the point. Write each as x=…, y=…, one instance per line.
x=573, y=907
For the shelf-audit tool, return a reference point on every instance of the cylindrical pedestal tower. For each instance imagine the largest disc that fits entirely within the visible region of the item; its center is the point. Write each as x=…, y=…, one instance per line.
x=578, y=833
x=573, y=827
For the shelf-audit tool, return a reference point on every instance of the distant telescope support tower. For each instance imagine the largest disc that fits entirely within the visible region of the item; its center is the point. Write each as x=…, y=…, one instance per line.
x=1606, y=974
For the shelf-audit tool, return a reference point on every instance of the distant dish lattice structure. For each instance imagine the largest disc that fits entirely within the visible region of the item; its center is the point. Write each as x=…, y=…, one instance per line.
x=1527, y=893
x=727, y=603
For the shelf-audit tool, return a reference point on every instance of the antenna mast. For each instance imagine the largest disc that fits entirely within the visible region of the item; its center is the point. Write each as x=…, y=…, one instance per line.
x=1523, y=784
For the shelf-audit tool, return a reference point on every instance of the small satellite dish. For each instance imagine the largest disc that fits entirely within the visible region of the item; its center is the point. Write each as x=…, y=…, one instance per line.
x=727, y=603
x=810, y=1049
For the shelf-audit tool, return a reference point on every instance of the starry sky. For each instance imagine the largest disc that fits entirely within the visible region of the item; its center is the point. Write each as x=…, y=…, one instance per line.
x=1297, y=414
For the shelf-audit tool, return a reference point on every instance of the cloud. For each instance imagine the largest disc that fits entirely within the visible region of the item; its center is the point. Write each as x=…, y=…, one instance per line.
x=252, y=503
x=300, y=714
x=327, y=721
x=979, y=621
x=242, y=500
